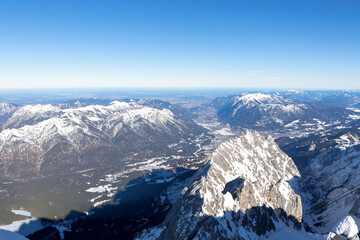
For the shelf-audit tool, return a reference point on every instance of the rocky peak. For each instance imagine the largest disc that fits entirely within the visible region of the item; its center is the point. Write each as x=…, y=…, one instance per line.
x=263, y=169
x=242, y=192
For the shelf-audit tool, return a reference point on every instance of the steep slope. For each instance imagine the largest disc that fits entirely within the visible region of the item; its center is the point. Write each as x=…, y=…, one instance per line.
x=43, y=139
x=333, y=178
x=242, y=193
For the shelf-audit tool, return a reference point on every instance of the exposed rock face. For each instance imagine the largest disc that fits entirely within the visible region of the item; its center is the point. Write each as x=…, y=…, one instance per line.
x=333, y=178
x=242, y=193
x=45, y=139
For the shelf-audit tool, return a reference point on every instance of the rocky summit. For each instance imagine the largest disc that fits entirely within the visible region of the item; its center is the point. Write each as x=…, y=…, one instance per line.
x=243, y=192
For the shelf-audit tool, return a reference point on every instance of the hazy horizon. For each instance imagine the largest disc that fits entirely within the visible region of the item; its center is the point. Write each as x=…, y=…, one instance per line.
x=180, y=88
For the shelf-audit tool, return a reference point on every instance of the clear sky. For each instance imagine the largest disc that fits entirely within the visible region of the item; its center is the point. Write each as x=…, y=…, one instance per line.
x=180, y=43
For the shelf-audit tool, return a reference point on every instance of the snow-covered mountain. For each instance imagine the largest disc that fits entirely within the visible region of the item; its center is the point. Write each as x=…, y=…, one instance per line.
x=243, y=192
x=30, y=115
x=272, y=111
x=43, y=139
x=262, y=110
x=6, y=110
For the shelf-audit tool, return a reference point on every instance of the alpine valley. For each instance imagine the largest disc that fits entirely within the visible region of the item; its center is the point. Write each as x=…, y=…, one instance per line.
x=199, y=164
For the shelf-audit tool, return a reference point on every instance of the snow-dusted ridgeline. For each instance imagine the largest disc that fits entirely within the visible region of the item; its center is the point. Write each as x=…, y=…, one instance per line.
x=37, y=134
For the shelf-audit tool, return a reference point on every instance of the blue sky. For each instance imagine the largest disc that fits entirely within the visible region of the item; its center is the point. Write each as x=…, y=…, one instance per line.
x=180, y=43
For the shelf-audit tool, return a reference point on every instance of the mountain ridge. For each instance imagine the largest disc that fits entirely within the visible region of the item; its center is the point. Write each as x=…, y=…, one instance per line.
x=85, y=136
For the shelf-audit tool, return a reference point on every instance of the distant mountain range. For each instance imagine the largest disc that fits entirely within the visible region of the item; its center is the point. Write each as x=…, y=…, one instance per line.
x=273, y=112
x=44, y=139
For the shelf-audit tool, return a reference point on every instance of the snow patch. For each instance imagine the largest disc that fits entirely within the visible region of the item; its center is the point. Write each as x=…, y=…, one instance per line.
x=346, y=226
x=101, y=202
x=101, y=189
x=22, y=213
x=226, y=131
x=354, y=117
